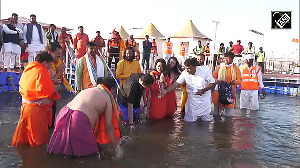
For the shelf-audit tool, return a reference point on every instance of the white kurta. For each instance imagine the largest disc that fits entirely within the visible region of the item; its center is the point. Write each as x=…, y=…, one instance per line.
x=11, y=47
x=196, y=105
x=36, y=44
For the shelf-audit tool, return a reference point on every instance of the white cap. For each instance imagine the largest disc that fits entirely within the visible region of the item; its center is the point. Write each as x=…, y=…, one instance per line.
x=248, y=56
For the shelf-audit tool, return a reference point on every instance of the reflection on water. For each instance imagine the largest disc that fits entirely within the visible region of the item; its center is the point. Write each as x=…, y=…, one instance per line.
x=270, y=140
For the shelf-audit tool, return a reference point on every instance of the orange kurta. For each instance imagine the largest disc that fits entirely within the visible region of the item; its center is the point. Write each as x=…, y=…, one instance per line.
x=85, y=77
x=215, y=94
x=35, y=84
x=80, y=41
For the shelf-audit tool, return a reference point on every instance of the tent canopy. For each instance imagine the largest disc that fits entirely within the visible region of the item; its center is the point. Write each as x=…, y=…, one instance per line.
x=189, y=30
x=123, y=33
x=151, y=31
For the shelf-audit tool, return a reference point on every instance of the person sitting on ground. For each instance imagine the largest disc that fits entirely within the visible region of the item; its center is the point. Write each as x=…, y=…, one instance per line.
x=90, y=118
x=38, y=93
x=127, y=66
x=130, y=94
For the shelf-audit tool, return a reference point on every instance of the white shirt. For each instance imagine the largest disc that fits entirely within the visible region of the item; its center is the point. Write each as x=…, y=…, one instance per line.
x=12, y=47
x=36, y=44
x=20, y=27
x=199, y=80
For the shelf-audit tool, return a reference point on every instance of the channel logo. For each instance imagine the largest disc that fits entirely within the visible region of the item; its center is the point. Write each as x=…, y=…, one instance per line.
x=281, y=19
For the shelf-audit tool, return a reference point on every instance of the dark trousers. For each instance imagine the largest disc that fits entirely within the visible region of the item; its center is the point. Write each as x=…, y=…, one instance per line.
x=114, y=52
x=146, y=58
x=215, y=60
x=53, y=113
x=262, y=65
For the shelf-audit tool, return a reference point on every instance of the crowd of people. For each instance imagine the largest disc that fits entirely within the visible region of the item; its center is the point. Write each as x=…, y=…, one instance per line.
x=93, y=115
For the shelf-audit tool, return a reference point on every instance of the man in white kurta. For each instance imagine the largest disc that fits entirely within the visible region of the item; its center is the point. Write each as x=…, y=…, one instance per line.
x=38, y=40
x=198, y=85
x=11, y=43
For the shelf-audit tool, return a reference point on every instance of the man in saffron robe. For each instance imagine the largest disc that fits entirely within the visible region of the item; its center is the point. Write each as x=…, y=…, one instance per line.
x=90, y=118
x=38, y=93
x=80, y=41
x=89, y=68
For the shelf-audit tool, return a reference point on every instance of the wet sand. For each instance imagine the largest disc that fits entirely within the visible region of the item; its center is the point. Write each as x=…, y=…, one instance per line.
x=270, y=140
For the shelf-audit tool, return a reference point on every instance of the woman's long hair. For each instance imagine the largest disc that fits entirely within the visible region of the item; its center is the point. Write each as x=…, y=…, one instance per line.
x=176, y=69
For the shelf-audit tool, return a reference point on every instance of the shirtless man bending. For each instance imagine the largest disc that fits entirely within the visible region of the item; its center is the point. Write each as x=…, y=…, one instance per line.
x=75, y=124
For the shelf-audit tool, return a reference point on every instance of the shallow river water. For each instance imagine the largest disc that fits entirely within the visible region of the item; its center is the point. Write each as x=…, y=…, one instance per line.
x=270, y=140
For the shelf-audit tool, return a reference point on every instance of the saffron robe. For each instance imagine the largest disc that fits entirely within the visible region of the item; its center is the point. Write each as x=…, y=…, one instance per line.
x=35, y=84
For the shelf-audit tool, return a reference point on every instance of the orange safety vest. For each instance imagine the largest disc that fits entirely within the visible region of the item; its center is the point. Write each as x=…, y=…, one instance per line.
x=130, y=44
x=168, y=47
x=154, y=47
x=115, y=41
x=181, y=50
x=250, y=78
x=206, y=50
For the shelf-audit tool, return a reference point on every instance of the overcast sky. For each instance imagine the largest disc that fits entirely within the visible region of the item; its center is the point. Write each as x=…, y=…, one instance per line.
x=169, y=16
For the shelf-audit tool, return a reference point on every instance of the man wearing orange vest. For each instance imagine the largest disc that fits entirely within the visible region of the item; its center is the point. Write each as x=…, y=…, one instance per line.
x=113, y=47
x=181, y=52
x=167, y=49
x=251, y=81
x=130, y=43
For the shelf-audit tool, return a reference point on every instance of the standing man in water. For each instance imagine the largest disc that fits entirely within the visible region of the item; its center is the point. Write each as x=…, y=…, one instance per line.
x=198, y=85
x=89, y=68
x=38, y=93
x=228, y=76
x=90, y=118
x=251, y=81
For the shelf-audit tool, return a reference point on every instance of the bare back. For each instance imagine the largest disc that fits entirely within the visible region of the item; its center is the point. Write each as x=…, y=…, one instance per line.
x=92, y=102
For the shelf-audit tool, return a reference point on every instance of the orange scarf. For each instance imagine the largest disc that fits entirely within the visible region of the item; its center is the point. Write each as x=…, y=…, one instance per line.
x=100, y=130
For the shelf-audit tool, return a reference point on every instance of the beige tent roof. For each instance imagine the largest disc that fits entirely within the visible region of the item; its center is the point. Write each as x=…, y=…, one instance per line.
x=190, y=30
x=123, y=33
x=151, y=31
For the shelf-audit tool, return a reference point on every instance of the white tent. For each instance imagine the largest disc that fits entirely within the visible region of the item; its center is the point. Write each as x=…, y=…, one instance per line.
x=190, y=35
x=124, y=35
x=153, y=33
